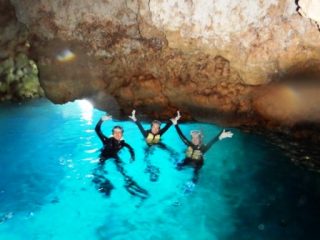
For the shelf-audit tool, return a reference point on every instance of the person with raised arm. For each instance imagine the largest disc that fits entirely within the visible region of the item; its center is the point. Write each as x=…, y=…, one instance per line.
x=152, y=137
x=111, y=147
x=195, y=147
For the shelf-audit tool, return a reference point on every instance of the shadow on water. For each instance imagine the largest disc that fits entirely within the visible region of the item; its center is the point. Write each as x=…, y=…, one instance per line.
x=271, y=198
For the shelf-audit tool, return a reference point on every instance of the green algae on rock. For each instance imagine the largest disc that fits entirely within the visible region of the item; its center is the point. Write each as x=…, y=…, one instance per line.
x=19, y=79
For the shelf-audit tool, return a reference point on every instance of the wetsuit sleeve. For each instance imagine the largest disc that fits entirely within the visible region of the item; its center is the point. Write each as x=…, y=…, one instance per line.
x=183, y=138
x=211, y=142
x=102, y=137
x=166, y=127
x=130, y=150
x=144, y=133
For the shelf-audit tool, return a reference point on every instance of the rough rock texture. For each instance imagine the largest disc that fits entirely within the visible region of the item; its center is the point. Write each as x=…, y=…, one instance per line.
x=19, y=79
x=211, y=59
x=310, y=9
x=11, y=31
x=18, y=74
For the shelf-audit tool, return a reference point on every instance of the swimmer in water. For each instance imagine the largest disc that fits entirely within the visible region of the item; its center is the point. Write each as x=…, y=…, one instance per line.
x=195, y=148
x=111, y=146
x=153, y=138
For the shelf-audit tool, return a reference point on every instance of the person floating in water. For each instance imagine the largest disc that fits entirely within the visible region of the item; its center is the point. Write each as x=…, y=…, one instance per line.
x=153, y=138
x=196, y=149
x=111, y=146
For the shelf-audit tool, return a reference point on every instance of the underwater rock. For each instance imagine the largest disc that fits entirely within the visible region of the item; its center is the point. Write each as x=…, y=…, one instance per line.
x=6, y=217
x=298, y=143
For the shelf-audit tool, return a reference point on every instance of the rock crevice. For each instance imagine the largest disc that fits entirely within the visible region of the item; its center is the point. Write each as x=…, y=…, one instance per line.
x=214, y=60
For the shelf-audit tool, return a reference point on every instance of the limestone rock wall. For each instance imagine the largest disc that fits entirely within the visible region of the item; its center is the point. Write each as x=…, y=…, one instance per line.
x=211, y=59
x=310, y=9
x=18, y=74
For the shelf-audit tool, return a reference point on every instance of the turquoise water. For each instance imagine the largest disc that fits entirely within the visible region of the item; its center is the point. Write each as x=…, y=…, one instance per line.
x=247, y=189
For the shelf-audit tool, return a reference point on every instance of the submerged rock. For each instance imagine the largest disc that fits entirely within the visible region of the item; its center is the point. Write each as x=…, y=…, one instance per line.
x=6, y=217
x=300, y=144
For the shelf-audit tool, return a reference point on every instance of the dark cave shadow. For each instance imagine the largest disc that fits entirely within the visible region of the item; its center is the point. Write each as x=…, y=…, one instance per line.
x=307, y=72
x=277, y=200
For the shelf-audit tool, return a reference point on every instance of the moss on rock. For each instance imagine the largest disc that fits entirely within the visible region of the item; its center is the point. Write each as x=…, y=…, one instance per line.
x=19, y=79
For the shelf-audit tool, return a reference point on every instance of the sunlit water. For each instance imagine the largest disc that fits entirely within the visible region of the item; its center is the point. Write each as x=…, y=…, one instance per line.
x=246, y=190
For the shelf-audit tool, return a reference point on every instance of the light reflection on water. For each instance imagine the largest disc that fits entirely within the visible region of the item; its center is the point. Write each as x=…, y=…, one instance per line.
x=247, y=189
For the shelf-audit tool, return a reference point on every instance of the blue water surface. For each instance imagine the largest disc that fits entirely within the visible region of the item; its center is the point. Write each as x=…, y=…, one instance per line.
x=247, y=189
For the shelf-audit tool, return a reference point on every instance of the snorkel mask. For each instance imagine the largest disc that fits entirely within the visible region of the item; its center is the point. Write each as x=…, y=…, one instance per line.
x=196, y=137
x=156, y=122
x=196, y=133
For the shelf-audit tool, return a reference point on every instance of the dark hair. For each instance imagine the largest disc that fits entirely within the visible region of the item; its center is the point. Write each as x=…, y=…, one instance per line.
x=117, y=127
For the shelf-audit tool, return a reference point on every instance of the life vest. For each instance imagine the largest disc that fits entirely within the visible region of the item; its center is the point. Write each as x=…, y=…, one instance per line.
x=153, y=139
x=194, y=154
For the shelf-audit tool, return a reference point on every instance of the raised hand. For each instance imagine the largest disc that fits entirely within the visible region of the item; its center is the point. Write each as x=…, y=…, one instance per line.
x=176, y=119
x=106, y=117
x=133, y=115
x=225, y=134
x=178, y=116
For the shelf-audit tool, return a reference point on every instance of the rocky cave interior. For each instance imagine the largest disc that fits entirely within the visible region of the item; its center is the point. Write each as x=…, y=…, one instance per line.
x=248, y=64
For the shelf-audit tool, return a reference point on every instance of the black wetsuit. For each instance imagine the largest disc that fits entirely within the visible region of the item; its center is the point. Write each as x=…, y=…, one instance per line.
x=152, y=140
x=194, y=154
x=111, y=146
x=110, y=149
